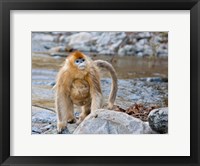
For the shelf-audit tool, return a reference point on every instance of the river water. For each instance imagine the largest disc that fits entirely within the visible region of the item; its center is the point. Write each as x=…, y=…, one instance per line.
x=128, y=67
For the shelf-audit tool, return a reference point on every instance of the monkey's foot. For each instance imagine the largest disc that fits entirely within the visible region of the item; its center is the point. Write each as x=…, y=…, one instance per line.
x=110, y=106
x=60, y=127
x=81, y=117
x=72, y=120
x=94, y=115
x=59, y=131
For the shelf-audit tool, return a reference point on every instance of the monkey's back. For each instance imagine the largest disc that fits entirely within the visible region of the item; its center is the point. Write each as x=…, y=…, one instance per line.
x=80, y=92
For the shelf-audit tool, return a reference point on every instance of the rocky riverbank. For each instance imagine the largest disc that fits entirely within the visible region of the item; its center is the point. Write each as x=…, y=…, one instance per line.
x=148, y=92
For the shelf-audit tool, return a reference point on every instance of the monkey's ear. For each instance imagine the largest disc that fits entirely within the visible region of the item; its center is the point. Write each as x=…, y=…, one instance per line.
x=72, y=50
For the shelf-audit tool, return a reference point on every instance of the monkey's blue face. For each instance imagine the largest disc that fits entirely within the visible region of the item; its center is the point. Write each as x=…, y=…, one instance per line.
x=80, y=62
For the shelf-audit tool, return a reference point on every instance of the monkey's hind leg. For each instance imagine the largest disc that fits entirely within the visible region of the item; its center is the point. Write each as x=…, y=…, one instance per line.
x=85, y=111
x=65, y=112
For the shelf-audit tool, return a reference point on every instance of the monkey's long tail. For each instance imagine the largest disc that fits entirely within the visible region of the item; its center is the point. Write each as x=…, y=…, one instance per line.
x=114, y=86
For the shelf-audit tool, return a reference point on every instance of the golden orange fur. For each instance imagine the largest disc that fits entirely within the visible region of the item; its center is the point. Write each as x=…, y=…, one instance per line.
x=78, y=82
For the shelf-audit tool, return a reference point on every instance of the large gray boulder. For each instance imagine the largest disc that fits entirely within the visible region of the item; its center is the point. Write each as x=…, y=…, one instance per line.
x=158, y=120
x=112, y=122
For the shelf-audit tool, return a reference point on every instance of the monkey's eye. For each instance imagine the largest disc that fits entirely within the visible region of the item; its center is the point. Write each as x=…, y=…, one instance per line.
x=77, y=61
x=83, y=60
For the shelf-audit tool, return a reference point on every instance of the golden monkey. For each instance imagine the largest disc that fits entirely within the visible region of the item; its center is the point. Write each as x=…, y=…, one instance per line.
x=78, y=82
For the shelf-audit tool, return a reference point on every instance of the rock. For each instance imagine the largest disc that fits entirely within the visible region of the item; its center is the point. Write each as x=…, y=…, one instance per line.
x=104, y=39
x=81, y=47
x=156, y=79
x=121, y=52
x=42, y=37
x=106, y=52
x=79, y=38
x=116, y=45
x=141, y=89
x=107, y=43
x=56, y=56
x=148, y=50
x=65, y=39
x=158, y=120
x=52, y=83
x=96, y=33
x=162, y=53
x=61, y=38
x=112, y=122
x=58, y=49
x=139, y=47
x=142, y=41
x=36, y=130
x=142, y=35
x=147, y=129
x=129, y=47
x=140, y=54
x=44, y=122
x=127, y=50
x=93, y=49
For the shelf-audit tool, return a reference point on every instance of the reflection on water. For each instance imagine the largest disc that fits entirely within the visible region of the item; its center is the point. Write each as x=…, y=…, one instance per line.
x=127, y=67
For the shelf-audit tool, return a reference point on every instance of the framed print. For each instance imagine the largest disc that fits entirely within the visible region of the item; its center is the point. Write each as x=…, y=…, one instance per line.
x=91, y=82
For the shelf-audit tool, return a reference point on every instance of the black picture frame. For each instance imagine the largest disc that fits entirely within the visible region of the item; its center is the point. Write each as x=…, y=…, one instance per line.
x=7, y=5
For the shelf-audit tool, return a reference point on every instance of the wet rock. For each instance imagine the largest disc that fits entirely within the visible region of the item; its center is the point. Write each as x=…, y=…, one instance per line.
x=112, y=122
x=158, y=120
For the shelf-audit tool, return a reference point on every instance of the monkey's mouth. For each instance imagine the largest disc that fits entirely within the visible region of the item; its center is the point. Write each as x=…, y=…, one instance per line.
x=81, y=67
